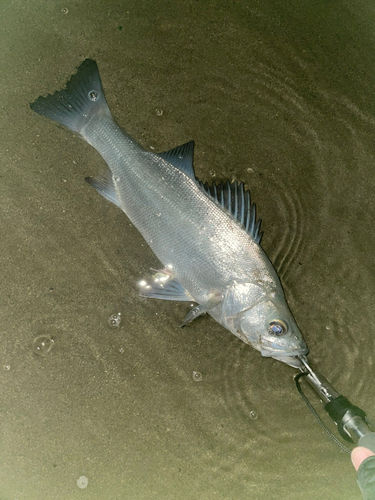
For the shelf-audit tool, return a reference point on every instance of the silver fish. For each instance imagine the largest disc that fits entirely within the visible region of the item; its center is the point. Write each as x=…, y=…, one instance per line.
x=206, y=237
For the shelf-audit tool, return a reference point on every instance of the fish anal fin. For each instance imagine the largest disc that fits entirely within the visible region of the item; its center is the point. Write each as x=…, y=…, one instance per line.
x=104, y=185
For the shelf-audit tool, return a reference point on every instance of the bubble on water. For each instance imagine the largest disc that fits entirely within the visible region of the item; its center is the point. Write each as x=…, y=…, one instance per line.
x=93, y=95
x=253, y=415
x=121, y=350
x=114, y=320
x=212, y=173
x=42, y=344
x=82, y=482
x=197, y=377
x=159, y=112
x=64, y=10
x=7, y=367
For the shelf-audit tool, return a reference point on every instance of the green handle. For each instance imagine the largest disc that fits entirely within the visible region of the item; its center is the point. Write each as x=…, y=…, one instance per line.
x=368, y=441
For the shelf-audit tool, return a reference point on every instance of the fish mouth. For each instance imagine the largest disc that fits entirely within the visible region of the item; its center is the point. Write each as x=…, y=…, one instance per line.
x=291, y=358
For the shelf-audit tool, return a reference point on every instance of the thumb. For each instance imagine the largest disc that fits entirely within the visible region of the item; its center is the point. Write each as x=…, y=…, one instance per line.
x=360, y=454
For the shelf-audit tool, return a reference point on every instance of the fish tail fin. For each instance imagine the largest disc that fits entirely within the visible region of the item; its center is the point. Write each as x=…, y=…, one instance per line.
x=74, y=106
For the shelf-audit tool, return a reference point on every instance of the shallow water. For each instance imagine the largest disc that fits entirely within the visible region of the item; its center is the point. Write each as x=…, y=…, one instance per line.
x=278, y=95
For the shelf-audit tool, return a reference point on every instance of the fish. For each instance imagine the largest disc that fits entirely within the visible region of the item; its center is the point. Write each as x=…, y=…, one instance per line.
x=206, y=236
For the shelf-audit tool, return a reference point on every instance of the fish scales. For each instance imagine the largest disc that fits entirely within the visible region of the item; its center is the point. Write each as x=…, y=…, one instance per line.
x=181, y=223
x=208, y=255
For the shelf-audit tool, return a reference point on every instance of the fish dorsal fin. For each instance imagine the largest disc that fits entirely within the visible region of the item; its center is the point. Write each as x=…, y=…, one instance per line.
x=234, y=198
x=104, y=185
x=181, y=157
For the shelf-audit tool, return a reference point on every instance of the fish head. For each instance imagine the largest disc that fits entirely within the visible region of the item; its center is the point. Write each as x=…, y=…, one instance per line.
x=261, y=317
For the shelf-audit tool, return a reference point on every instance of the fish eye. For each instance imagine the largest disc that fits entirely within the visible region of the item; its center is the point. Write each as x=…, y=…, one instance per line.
x=277, y=328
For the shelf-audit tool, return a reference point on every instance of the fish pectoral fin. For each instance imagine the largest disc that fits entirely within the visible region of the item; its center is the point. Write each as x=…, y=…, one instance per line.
x=164, y=286
x=104, y=185
x=200, y=309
